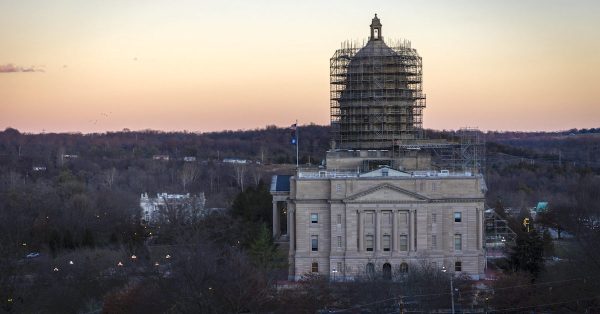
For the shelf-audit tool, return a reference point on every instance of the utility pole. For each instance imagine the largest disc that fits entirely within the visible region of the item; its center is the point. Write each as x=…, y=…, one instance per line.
x=401, y=305
x=451, y=288
x=297, y=144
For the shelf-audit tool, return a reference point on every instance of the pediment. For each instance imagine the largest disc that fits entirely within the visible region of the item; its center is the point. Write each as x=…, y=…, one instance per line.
x=386, y=193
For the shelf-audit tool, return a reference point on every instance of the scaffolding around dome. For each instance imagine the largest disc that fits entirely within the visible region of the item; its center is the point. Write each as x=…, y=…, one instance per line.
x=376, y=98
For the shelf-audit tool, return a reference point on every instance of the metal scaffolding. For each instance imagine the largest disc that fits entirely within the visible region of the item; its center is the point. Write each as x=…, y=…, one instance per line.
x=377, y=102
x=376, y=95
x=499, y=237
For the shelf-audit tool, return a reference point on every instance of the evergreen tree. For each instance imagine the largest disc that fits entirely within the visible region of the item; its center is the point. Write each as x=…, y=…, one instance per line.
x=263, y=251
x=548, y=243
x=254, y=204
x=528, y=253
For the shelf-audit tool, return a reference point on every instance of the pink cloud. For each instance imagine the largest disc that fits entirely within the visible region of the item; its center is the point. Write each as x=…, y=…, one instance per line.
x=11, y=68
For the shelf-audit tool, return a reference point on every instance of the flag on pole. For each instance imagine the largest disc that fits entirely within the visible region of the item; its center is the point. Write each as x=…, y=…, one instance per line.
x=294, y=139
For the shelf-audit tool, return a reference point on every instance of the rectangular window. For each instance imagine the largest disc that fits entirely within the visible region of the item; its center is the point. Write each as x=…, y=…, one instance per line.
x=457, y=242
x=369, y=243
x=339, y=219
x=386, y=243
x=314, y=267
x=422, y=186
x=338, y=187
x=457, y=216
x=434, y=242
x=433, y=218
x=434, y=265
x=339, y=241
x=339, y=266
x=386, y=218
x=404, y=218
x=457, y=266
x=370, y=219
x=314, y=218
x=314, y=243
x=403, y=243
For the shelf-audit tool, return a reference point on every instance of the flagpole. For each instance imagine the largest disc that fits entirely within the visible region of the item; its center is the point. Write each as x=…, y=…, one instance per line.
x=297, y=143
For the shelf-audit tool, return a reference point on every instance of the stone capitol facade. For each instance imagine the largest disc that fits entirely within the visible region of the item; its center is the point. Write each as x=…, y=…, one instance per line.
x=383, y=202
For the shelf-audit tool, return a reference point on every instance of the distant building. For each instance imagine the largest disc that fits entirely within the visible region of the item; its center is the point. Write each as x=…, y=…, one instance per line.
x=541, y=207
x=189, y=159
x=172, y=208
x=161, y=157
x=236, y=161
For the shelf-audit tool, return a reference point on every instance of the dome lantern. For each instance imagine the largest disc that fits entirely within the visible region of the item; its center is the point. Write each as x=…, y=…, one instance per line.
x=375, y=28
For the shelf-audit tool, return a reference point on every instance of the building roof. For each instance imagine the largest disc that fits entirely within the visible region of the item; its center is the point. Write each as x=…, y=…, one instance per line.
x=541, y=207
x=280, y=183
x=375, y=48
x=386, y=172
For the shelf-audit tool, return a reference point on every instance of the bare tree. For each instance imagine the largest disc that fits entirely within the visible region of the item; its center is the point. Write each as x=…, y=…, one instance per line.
x=239, y=171
x=110, y=176
x=256, y=173
x=60, y=156
x=189, y=174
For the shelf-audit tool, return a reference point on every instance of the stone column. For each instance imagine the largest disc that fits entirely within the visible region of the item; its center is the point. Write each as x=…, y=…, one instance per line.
x=410, y=227
x=480, y=215
x=377, y=231
x=361, y=230
x=276, y=227
x=292, y=228
x=416, y=227
x=395, y=236
x=412, y=232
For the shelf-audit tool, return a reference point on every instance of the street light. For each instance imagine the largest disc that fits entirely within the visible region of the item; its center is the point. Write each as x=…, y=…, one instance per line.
x=334, y=271
x=451, y=288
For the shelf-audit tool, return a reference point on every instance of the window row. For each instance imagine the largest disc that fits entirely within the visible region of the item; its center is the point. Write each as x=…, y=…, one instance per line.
x=314, y=267
x=457, y=242
x=386, y=218
x=386, y=243
x=314, y=218
x=387, y=268
x=457, y=217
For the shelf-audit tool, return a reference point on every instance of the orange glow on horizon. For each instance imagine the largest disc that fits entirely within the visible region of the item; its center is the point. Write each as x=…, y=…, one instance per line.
x=98, y=66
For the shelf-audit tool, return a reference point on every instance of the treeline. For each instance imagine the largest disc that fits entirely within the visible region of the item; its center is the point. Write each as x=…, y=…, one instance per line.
x=268, y=145
x=85, y=210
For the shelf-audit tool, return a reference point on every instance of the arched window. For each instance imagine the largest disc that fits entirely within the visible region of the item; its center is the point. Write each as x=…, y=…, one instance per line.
x=370, y=269
x=403, y=268
x=387, y=271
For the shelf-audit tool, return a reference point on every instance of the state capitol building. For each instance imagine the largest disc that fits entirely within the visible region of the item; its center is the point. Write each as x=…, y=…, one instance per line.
x=388, y=198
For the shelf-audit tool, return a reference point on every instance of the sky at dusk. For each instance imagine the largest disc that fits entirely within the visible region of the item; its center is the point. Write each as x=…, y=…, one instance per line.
x=104, y=65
